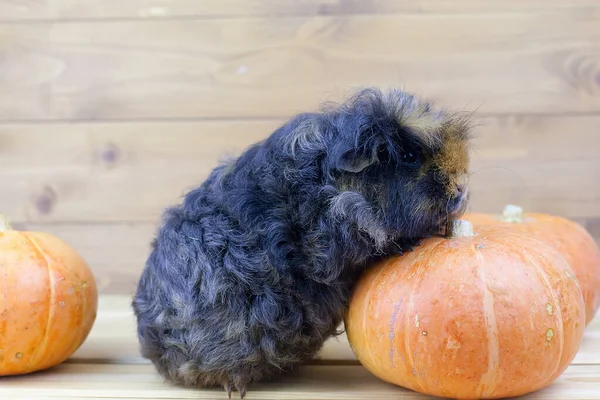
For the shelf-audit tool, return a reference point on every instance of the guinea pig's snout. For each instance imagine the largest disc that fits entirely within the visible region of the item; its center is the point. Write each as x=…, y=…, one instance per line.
x=461, y=196
x=462, y=190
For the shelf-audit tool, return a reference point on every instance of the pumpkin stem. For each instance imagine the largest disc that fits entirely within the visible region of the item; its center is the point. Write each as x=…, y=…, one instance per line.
x=462, y=228
x=4, y=223
x=512, y=213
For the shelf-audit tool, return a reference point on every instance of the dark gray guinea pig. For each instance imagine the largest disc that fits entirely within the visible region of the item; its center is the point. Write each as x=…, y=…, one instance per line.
x=252, y=272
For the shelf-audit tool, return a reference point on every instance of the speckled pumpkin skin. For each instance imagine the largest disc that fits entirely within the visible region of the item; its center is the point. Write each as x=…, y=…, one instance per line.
x=572, y=240
x=48, y=301
x=495, y=315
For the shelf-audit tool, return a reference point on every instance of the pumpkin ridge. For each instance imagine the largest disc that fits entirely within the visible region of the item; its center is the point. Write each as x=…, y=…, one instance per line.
x=369, y=298
x=407, y=319
x=4, y=228
x=3, y=320
x=76, y=343
x=391, y=334
x=557, y=309
x=445, y=349
x=487, y=383
x=42, y=347
x=409, y=357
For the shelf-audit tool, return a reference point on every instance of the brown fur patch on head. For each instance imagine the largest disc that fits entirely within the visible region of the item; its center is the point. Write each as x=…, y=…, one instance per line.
x=453, y=157
x=422, y=118
x=425, y=125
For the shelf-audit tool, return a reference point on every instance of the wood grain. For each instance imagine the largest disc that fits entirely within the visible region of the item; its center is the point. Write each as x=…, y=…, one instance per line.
x=126, y=172
x=95, y=381
x=113, y=340
x=108, y=365
x=270, y=67
x=111, y=172
x=23, y=10
x=116, y=252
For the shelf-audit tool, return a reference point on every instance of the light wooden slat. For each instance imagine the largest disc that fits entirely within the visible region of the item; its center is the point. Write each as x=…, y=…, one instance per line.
x=12, y=10
x=82, y=9
x=95, y=381
x=593, y=227
x=108, y=366
x=130, y=171
x=111, y=172
x=498, y=63
x=113, y=339
x=117, y=252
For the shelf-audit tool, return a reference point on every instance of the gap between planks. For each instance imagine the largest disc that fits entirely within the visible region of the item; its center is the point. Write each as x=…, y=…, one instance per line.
x=71, y=173
x=250, y=67
x=118, y=270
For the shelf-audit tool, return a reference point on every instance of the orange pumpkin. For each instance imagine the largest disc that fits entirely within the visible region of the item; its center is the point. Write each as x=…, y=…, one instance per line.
x=487, y=315
x=571, y=239
x=48, y=300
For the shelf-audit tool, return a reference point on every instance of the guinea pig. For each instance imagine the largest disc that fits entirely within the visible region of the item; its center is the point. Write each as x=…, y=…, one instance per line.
x=251, y=273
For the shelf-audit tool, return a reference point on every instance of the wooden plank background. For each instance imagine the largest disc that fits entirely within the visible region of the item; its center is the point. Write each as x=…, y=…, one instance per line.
x=81, y=81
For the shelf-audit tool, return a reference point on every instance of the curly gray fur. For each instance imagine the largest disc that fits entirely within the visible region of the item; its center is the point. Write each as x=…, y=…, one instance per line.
x=252, y=272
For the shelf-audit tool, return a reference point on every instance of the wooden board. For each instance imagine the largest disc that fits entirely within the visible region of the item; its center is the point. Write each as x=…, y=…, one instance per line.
x=125, y=172
x=516, y=62
x=115, y=311
x=116, y=252
x=111, y=172
x=11, y=10
x=101, y=381
x=115, y=330
x=109, y=366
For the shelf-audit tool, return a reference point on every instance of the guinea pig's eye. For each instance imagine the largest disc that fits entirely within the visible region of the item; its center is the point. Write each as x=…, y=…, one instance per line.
x=410, y=157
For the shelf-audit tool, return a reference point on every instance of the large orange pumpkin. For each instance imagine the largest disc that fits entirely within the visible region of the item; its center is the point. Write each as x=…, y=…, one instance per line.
x=487, y=315
x=571, y=239
x=48, y=300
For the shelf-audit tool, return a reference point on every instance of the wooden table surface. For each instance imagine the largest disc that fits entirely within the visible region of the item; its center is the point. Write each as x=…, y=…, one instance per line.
x=108, y=365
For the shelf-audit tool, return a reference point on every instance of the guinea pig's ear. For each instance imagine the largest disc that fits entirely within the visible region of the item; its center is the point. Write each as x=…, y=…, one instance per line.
x=357, y=158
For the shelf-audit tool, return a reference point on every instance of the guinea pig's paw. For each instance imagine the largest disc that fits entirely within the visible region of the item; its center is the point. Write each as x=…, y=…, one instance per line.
x=229, y=388
x=411, y=243
x=401, y=246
